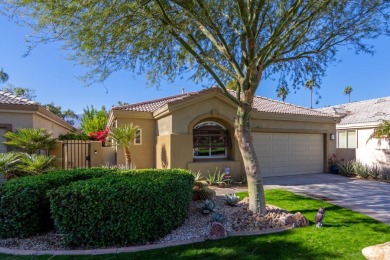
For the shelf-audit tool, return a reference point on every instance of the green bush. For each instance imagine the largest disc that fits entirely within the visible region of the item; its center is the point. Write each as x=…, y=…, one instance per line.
x=360, y=169
x=24, y=205
x=346, y=168
x=135, y=206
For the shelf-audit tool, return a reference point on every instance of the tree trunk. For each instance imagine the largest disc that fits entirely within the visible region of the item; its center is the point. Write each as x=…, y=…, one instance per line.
x=251, y=163
x=127, y=157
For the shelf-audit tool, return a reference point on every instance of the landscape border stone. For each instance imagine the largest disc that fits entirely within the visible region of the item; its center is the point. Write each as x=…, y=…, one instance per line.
x=117, y=250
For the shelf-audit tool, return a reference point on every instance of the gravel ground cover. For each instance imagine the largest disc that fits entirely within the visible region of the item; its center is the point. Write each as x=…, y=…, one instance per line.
x=197, y=225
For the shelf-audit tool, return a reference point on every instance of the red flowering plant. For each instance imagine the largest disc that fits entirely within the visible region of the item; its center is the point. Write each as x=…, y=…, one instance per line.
x=333, y=159
x=99, y=136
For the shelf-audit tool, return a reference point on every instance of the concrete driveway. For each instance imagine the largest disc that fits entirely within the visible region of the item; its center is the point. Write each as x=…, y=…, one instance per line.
x=371, y=198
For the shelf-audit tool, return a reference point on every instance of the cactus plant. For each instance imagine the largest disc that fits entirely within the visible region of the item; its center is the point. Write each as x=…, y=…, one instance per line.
x=231, y=199
x=208, y=207
x=202, y=192
x=217, y=217
x=201, y=184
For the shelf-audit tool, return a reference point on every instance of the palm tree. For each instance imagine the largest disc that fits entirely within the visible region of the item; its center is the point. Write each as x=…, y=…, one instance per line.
x=3, y=76
x=124, y=136
x=30, y=140
x=282, y=92
x=347, y=91
x=382, y=131
x=310, y=85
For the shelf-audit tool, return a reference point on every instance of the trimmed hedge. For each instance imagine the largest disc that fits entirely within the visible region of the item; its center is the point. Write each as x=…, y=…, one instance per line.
x=24, y=205
x=134, y=207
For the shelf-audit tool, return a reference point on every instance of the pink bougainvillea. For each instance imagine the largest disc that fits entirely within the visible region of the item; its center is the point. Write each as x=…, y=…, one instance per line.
x=99, y=136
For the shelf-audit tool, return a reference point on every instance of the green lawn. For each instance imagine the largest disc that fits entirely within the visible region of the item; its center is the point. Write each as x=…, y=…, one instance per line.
x=343, y=236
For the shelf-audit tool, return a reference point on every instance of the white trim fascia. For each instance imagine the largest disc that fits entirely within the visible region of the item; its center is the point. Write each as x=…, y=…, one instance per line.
x=357, y=126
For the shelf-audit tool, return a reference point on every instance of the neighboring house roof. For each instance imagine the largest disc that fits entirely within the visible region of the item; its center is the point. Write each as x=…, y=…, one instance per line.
x=362, y=112
x=9, y=101
x=8, y=98
x=260, y=104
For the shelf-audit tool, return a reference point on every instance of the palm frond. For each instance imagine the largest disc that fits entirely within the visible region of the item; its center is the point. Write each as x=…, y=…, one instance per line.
x=30, y=140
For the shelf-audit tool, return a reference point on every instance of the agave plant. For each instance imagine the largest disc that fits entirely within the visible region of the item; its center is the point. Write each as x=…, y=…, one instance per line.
x=217, y=217
x=208, y=207
x=231, y=199
x=33, y=164
x=197, y=176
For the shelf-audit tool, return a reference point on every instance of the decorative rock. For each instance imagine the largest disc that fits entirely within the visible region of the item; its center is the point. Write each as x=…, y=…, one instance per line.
x=300, y=220
x=217, y=231
x=377, y=252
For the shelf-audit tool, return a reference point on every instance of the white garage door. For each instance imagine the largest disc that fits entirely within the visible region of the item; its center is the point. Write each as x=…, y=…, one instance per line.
x=289, y=154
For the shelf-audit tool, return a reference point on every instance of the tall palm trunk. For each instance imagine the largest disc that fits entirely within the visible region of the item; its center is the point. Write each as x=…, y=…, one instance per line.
x=127, y=157
x=251, y=163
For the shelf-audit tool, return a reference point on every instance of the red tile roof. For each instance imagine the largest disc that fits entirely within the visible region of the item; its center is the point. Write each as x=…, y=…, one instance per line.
x=260, y=104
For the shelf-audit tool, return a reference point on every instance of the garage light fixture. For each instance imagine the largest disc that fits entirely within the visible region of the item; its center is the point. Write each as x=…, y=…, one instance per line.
x=332, y=137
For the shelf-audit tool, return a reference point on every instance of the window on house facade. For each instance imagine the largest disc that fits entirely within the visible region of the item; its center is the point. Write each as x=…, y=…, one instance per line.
x=211, y=140
x=347, y=139
x=138, y=138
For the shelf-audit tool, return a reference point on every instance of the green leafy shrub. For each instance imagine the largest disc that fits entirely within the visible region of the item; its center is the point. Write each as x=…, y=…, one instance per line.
x=8, y=161
x=24, y=205
x=30, y=140
x=132, y=207
x=346, y=168
x=375, y=172
x=74, y=136
x=361, y=170
x=35, y=164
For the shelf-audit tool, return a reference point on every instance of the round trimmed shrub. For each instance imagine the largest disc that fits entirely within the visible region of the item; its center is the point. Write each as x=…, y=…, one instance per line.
x=24, y=205
x=132, y=207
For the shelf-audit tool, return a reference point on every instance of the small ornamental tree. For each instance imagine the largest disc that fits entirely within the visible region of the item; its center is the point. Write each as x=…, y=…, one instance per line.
x=382, y=131
x=123, y=137
x=93, y=120
x=30, y=140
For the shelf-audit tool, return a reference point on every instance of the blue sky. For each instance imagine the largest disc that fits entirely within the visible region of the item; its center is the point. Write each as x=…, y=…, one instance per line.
x=54, y=78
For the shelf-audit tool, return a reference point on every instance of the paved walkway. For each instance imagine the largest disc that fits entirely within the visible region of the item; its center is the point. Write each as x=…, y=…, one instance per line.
x=371, y=198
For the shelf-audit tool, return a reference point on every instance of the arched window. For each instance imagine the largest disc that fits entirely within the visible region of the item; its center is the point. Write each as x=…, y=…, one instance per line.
x=211, y=140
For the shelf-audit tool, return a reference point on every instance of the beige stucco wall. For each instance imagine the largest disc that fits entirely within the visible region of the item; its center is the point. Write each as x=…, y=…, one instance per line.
x=346, y=154
x=172, y=132
x=143, y=156
x=210, y=167
x=178, y=142
x=50, y=125
x=370, y=151
x=163, y=152
x=17, y=120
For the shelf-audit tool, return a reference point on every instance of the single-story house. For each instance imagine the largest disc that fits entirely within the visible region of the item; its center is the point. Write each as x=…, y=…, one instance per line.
x=17, y=112
x=195, y=131
x=358, y=122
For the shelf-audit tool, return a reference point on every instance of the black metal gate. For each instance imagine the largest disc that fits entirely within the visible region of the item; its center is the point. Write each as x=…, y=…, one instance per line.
x=76, y=154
